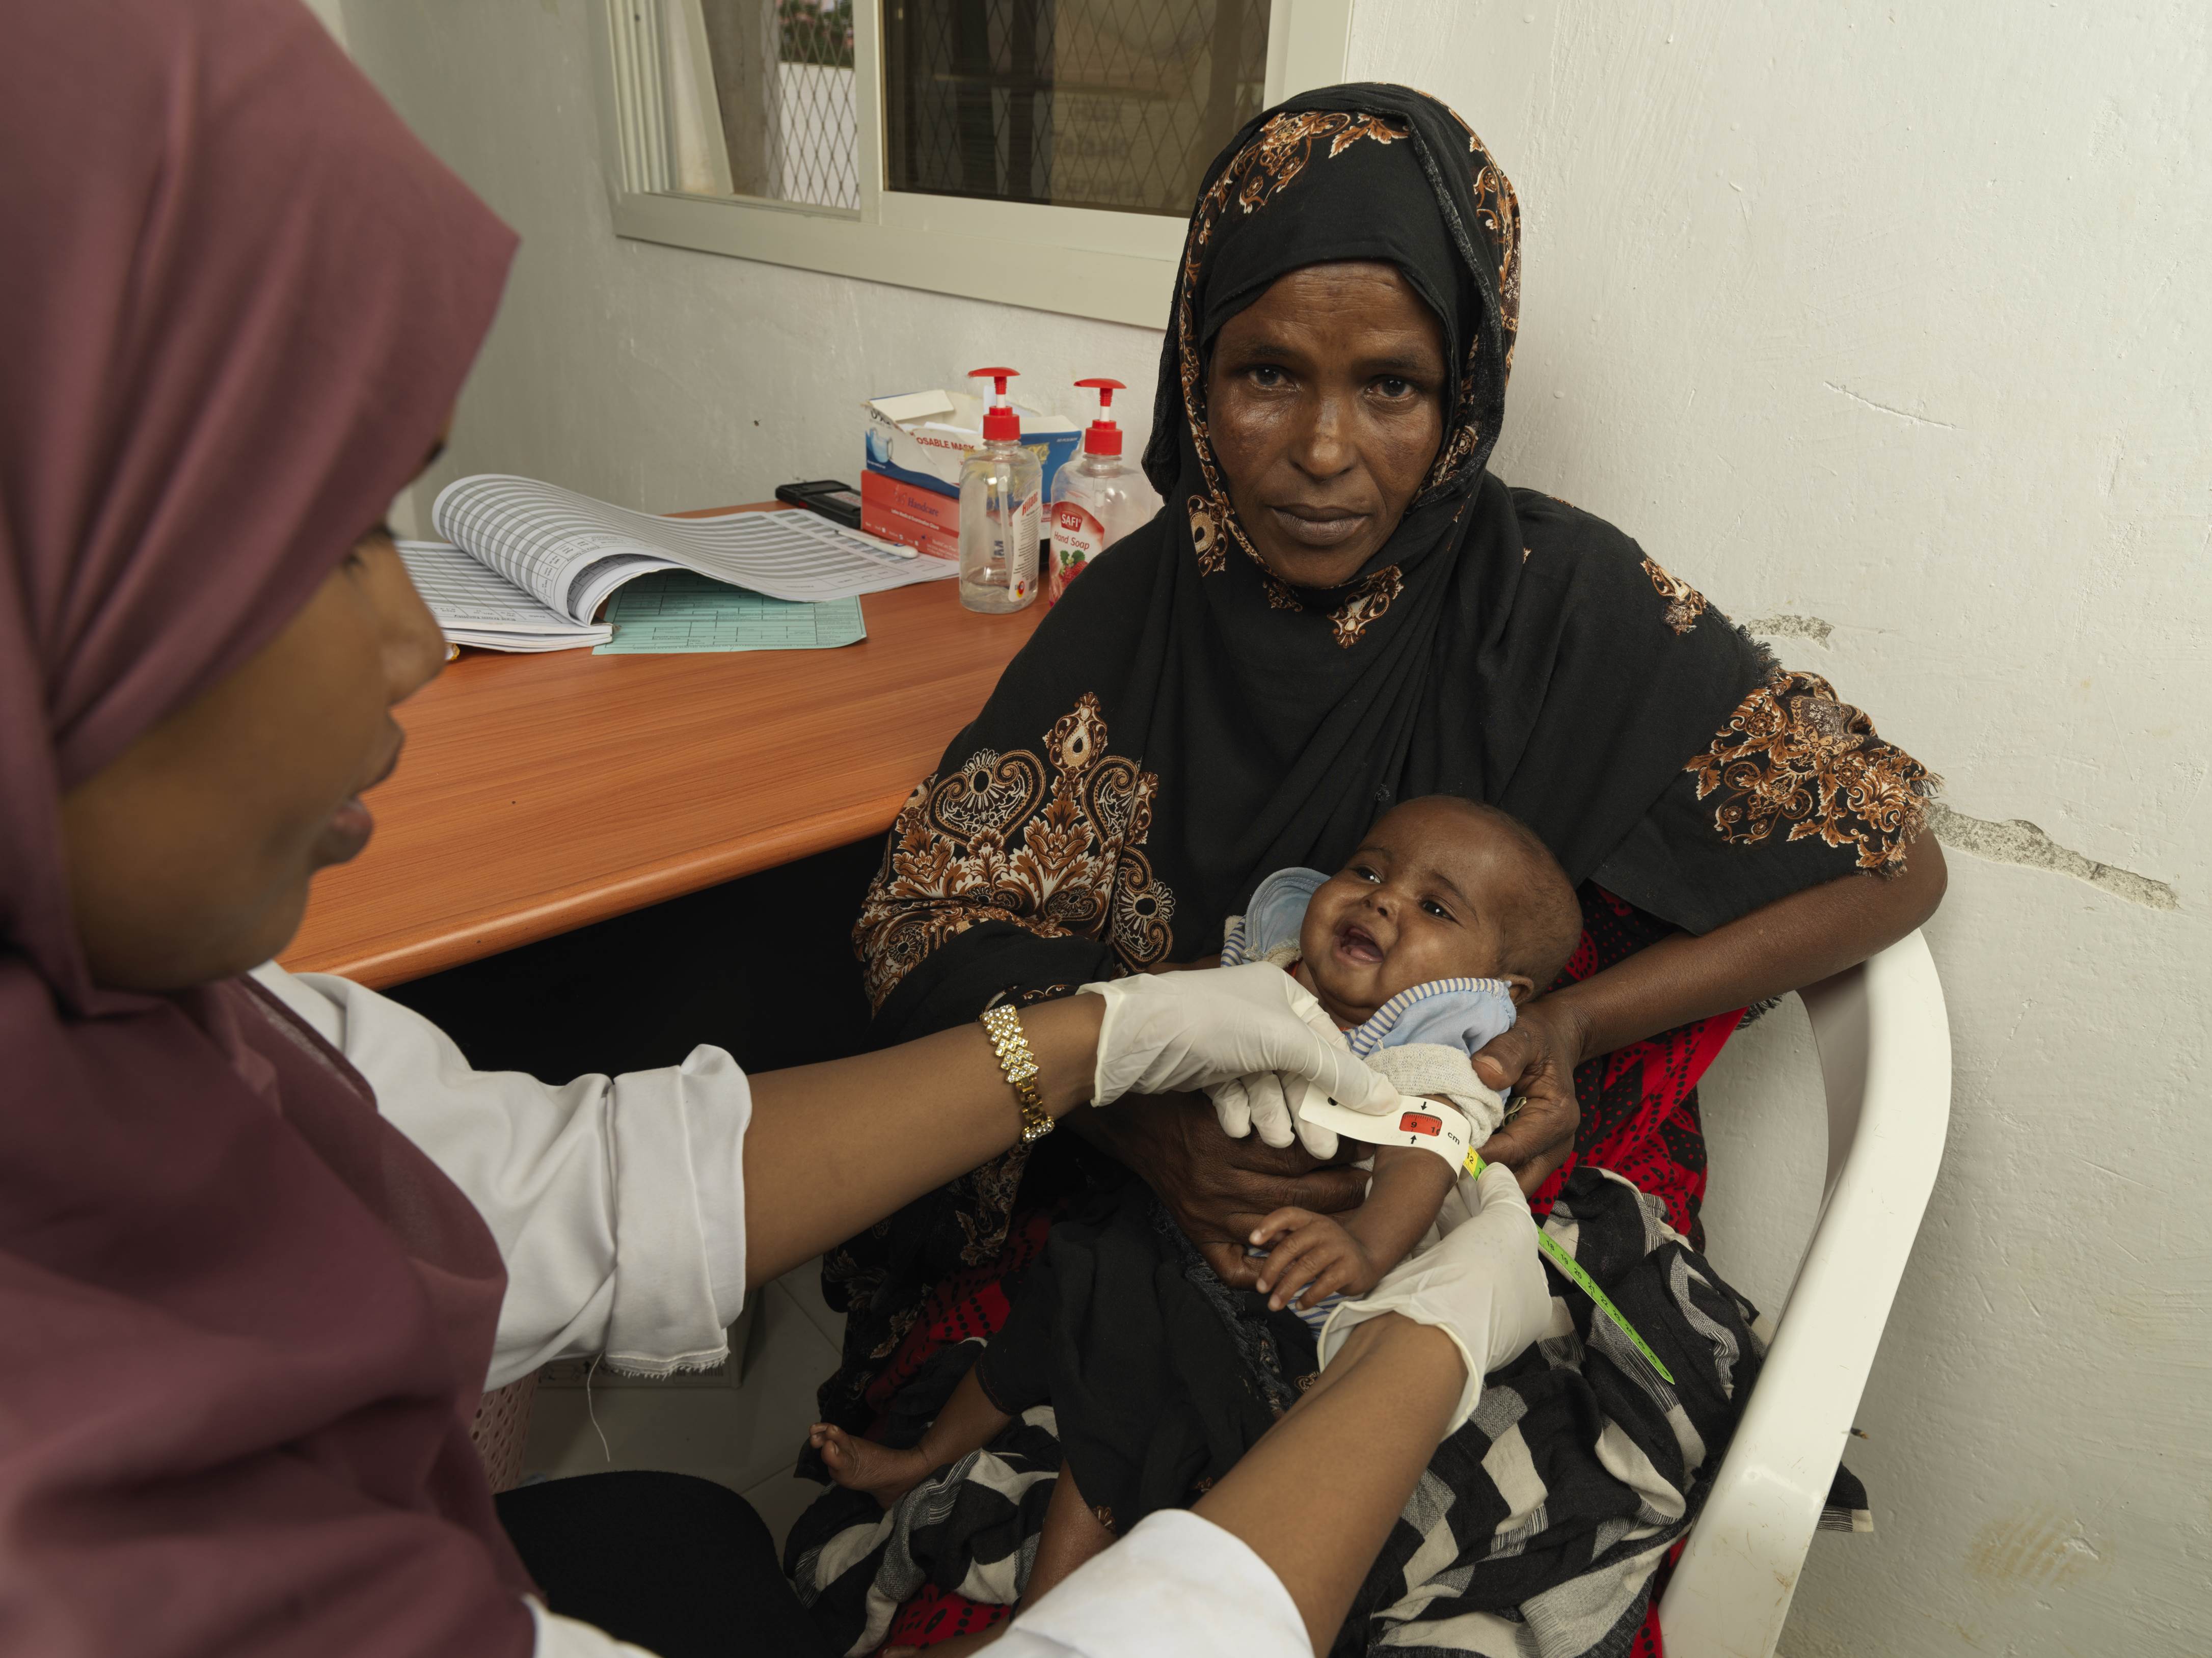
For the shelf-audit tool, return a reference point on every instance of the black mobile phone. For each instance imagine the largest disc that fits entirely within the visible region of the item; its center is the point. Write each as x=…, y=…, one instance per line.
x=838, y=502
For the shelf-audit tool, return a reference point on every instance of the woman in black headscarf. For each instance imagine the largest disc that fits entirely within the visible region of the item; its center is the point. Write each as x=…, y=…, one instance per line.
x=1338, y=608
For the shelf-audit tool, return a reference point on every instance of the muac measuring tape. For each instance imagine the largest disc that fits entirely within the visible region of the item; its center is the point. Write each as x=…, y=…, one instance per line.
x=1556, y=1253
x=1443, y=1131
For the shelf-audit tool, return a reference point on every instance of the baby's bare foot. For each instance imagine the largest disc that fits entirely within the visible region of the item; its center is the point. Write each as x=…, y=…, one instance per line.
x=861, y=1465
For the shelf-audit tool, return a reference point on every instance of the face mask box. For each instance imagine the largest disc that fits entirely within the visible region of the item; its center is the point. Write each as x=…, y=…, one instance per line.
x=911, y=481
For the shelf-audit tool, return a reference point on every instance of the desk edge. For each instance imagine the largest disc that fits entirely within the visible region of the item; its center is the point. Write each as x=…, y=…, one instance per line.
x=379, y=970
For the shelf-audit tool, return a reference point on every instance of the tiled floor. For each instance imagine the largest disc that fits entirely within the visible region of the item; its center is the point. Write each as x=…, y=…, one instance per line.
x=745, y=1436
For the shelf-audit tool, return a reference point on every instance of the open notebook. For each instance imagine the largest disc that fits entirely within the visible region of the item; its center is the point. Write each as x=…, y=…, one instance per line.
x=526, y=565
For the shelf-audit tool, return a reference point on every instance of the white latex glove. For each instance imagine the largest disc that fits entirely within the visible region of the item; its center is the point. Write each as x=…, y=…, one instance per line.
x=1241, y=1105
x=1168, y=1031
x=1482, y=1284
x=1270, y=1104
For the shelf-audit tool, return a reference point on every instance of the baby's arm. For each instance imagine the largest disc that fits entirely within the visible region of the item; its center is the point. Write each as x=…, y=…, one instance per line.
x=1402, y=1200
x=1346, y=1254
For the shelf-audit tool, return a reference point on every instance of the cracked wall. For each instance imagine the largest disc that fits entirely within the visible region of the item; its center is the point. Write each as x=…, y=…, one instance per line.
x=1878, y=324
x=2019, y=841
x=2014, y=841
x=1811, y=627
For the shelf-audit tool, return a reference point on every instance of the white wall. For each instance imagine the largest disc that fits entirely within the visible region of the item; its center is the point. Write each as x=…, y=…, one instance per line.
x=1889, y=317
x=1893, y=316
x=655, y=376
x=332, y=16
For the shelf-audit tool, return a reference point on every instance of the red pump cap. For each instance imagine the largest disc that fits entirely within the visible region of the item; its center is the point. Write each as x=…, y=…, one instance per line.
x=1001, y=423
x=1104, y=438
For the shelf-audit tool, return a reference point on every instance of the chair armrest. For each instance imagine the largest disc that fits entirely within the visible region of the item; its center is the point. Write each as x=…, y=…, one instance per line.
x=1886, y=1058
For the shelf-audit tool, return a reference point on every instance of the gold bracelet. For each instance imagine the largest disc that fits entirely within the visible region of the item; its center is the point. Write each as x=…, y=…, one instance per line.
x=1016, y=1057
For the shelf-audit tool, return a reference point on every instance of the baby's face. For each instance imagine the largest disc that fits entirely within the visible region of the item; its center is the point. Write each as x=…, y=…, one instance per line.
x=1427, y=896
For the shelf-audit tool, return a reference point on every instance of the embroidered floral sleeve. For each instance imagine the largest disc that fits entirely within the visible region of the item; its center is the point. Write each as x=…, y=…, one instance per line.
x=1051, y=841
x=1797, y=762
x=1684, y=604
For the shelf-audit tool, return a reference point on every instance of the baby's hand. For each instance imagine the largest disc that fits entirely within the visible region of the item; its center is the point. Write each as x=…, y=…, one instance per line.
x=1310, y=1258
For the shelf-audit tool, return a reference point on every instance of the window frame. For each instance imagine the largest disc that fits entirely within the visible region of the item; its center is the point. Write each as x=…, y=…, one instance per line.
x=1080, y=262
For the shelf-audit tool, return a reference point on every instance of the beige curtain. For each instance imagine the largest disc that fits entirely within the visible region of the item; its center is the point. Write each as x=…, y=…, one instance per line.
x=737, y=42
x=698, y=152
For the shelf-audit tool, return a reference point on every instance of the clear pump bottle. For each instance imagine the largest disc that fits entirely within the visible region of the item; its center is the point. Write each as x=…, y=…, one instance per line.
x=1098, y=498
x=1002, y=490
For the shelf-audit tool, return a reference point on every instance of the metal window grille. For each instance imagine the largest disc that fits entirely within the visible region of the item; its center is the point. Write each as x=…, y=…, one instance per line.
x=1116, y=103
x=817, y=125
x=751, y=97
x=1076, y=103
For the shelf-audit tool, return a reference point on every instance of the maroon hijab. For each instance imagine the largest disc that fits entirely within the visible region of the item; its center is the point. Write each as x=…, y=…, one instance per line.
x=243, y=1322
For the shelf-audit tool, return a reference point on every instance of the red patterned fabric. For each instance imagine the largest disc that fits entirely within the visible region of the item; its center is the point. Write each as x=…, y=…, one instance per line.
x=1640, y=1102
x=971, y=1306
x=1650, y=1641
x=1639, y=1117
x=936, y=1615
x=968, y=1307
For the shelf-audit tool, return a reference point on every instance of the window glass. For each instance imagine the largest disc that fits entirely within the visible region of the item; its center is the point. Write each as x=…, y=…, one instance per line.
x=1073, y=103
x=759, y=100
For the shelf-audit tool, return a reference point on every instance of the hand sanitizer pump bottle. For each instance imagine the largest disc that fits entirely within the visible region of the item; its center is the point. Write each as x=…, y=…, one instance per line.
x=1096, y=498
x=1001, y=487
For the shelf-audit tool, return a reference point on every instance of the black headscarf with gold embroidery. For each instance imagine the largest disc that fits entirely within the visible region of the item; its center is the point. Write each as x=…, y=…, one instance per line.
x=1184, y=723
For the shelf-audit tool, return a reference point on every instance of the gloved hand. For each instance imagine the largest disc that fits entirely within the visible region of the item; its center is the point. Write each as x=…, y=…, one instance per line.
x=1482, y=1284
x=1270, y=1103
x=1163, y=1032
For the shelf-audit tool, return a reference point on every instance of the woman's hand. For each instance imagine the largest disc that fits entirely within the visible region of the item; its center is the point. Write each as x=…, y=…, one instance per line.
x=1536, y=1059
x=1217, y=1188
x=1776, y=948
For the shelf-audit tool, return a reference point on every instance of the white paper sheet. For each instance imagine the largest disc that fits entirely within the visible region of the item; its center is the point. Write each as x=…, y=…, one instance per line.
x=572, y=551
x=478, y=606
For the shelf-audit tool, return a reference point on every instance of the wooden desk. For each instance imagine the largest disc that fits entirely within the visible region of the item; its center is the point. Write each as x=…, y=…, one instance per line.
x=539, y=794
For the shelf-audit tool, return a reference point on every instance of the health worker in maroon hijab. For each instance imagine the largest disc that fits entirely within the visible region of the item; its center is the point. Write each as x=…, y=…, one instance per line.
x=266, y=1241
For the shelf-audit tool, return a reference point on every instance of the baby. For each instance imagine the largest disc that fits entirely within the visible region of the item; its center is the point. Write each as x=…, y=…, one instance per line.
x=1448, y=918
x=1449, y=915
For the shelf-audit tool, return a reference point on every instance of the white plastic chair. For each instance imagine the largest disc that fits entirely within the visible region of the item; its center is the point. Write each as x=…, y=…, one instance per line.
x=1886, y=1058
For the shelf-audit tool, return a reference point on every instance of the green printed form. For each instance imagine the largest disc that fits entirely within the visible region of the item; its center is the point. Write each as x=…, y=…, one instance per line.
x=674, y=610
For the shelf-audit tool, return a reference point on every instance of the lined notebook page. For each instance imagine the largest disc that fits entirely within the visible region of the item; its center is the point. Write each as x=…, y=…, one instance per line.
x=572, y=550
x=478, y=606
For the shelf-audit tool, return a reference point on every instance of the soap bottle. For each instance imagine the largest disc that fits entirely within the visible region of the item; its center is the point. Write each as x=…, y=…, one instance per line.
x=1001, y=491
x=1098, y=498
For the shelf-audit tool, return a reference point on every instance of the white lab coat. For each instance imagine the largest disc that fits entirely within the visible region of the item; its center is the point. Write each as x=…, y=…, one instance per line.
x=618, y=1203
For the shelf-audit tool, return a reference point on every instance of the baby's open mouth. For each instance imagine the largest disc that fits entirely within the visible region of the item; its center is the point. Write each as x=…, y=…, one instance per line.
x=1355, y=943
